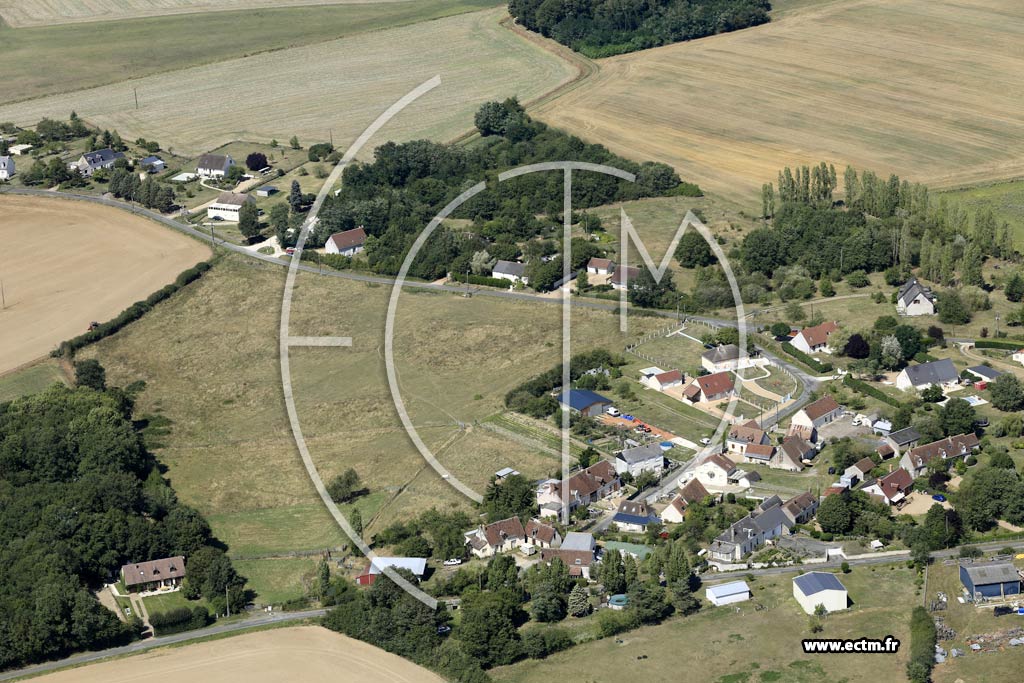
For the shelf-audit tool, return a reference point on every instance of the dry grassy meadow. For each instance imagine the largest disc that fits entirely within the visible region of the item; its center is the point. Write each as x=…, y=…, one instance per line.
x=336, y=87
x=302, y=653
x=927, y=89
x=23, y=13
x=101, y=261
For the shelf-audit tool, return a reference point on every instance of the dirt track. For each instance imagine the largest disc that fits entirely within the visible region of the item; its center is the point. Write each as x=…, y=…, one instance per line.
x=304, y=653
x=65, y=264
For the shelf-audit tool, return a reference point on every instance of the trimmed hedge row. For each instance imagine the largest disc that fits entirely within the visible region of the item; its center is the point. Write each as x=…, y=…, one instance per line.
x=132, y=313
x=179, y=619
x=923, y=637
x=481, y=280
x=998, y=344
x=868, y=390
x=810, y=362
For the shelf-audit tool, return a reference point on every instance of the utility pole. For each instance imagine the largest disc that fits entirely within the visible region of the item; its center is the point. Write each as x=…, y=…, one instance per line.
x=3, y=299
x=227, y=600
x=136, y=91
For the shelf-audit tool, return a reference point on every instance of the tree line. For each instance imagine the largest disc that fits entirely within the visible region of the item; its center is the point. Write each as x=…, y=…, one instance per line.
x=602, y=28
x=407, y=184
x=80, y=496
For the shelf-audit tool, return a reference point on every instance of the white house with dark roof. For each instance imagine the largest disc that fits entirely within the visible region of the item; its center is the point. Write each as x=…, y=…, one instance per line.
x=640, y=459
x=512, y=271
x=941, y=373
x=90, y=162
x=820, y=588
x=228, y=205
x=214, y=165
x=624, y=276
x=915, y=299
x=6, y=168
x=728, y=357
x=764, y=523
x=152, y=163
x=346, y=243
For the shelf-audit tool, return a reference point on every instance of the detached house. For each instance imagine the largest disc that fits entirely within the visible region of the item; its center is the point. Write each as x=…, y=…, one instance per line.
x=725, y=357
x=858, y=471
x=795, y=450
x=633, y=516
x=623, y=275
x=940, y=373
x=741, y=437
x=228, y=206
x=577, y=552
x=811, y=417
x=640, y=459
x=499, y=537
x=764, y=523
x=663, y=380
x=714, y=471
x=346, y=243
x=916, y=459
x=598, y=481
x=540, y=535
x=814, y=339
x=6, y=168
x=154, y=575
x=600, y=266
x=90, y=162
x=893, y=488
x=801, y=508
x=915, y=299
x=214, y=165
x=714, y=387
x=512, y=271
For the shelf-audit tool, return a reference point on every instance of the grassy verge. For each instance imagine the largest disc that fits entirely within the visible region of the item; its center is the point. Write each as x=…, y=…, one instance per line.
x=30, y=380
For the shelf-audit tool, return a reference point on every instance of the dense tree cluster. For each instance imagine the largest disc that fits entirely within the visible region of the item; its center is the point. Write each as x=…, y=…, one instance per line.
x=533, y=397
x=395, y=197
x=79, y=497
x=601, y=28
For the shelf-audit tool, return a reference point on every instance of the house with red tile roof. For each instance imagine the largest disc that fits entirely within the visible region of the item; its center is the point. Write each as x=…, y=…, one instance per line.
x=742, y=436
x=710, y=388
x=596, y=482
x=812, y=417
x=893, y=488
x=600, y=266
x=498, y=537
x=815, y=339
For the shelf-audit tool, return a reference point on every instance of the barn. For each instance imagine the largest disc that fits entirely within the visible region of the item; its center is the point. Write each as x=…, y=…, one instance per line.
x=728, y=593
x=990, y=579
x=819, y=588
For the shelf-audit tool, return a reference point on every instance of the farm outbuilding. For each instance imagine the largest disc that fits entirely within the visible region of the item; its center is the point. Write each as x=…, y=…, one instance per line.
x=819, y=588
x=990, y=579
x=728, y=593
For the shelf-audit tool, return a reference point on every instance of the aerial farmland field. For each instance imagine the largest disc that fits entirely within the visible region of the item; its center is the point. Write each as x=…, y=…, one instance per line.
x=925, y=89
x=108, y=259
x=280, y=94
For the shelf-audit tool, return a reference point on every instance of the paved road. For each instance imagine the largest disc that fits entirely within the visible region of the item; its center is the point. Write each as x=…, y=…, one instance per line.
x=714, y=577
x=258, y=619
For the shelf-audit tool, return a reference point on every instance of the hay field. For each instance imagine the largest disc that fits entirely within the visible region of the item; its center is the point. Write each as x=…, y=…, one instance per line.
x=928, y=89
x=339, y=86
x=303, y=653
x=22, y=13
x=97, y=262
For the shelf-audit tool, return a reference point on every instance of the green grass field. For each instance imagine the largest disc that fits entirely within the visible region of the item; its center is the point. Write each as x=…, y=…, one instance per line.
x=134, y=48
x=1005, y=199
x=316, y=90
x=30, y=380
x=168, y=601
x=721, y=645
x=277, y=580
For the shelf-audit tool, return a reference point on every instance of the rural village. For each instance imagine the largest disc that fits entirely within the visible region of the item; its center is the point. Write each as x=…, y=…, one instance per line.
x=809, y=434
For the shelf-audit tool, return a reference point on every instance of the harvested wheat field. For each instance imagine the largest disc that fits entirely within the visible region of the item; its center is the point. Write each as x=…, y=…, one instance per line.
x=336, y=87
x=22, y=13
x=304, y=653
x=927, y=89
x=89, y=263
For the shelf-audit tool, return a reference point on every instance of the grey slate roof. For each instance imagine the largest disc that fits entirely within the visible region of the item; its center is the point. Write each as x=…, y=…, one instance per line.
x=212, y=161
x=985, y=371
x=641, y=454
x=935, y=372
x=766, y=521
x=991, y=572
x=720, y=354
x=816, y=582
x=509, y=268
x=101, y=156
x=904, y=436
x=911, y=289
x=578, y=540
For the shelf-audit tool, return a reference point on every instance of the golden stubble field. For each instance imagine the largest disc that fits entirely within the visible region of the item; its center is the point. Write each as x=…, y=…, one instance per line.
x=23, y=13
x=927, y=89
x=303, y=653
x=333, y=88
x=90, y=262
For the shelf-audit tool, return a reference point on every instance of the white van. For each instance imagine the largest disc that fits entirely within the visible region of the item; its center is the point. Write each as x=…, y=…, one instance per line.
x=613, y=411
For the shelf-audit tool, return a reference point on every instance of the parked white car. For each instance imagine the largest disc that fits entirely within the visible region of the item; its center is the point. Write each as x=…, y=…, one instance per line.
x=452, y=562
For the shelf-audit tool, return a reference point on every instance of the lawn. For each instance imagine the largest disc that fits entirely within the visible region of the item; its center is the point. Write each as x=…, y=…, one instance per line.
x=337, y=87
x=30, y=380
x=723, y=645
x=278, y=580
x=165, y=602
x=137, y=47
x=676, y=352
x=919, y=88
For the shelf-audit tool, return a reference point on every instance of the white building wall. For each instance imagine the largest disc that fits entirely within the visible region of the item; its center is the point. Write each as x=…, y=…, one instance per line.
x=833, y=600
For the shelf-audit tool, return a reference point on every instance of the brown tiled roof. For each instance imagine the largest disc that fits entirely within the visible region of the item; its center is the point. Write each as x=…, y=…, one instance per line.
x=897, y=481
x=823, y=406
x=629, y=272
x=865, y=465
x=599, y=263
x=348, y=239
x=723, y=462
x=884, y=450
x=693, y=492
x=796, y=446
x=692, y=390
x=750, y=432
x=950, y=447
x=497, y=532
x=718, y=383
x=634, y=507
x=542, y=532
x=817, y=335
x=569, y=557
x=233, y=198
x=831, y=490
x=670, y=376
x=761, y=450
x=590, y=480
x=679, y=504
x=802, y=501
x=154, y=570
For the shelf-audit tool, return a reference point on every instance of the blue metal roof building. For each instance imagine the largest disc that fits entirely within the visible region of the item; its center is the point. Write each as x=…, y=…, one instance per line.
x=990, y=579
x=585, y=402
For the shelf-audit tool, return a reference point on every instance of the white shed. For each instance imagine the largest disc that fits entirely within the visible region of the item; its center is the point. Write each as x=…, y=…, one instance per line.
x=819, y=588
x=728, y=593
